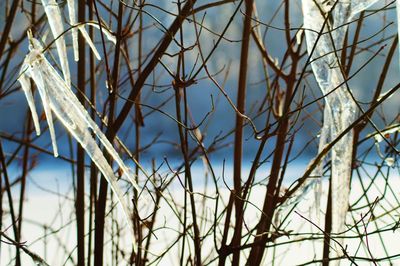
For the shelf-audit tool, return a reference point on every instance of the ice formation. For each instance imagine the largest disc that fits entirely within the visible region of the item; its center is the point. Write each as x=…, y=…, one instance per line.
x=106, y=32
x=74, y=30
x=58, y=98
x=82, y=30
x=323, y=39
x=54, y=18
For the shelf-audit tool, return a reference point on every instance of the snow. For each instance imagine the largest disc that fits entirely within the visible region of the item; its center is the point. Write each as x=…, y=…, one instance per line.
x=323, y=38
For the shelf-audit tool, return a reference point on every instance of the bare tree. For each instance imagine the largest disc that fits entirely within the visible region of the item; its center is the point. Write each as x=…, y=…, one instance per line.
x=230, y=132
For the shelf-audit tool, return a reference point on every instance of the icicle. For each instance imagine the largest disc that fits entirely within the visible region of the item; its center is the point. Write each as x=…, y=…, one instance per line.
x=313, y=22
x=72, y=20
x=89, y=41
x=53, y=14
x=106, y=32
x=323, y=140
x=340, y=108
x=58, y=98
x=81, y=28
x=26, y=87
x=37, y=77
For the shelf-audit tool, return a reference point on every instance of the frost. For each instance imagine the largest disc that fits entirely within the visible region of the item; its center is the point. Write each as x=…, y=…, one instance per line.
x=323, y=39
x=58, y=98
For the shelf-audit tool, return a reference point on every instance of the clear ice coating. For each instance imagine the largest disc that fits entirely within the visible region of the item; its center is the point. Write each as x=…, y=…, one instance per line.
x=323, y=40
x=58, y=98
x=54, y=18
x=74, y=30
x=106, y=32
x=82, y=30
x=25, y=85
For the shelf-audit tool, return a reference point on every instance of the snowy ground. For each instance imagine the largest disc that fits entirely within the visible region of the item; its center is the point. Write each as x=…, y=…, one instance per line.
x=55, y=241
